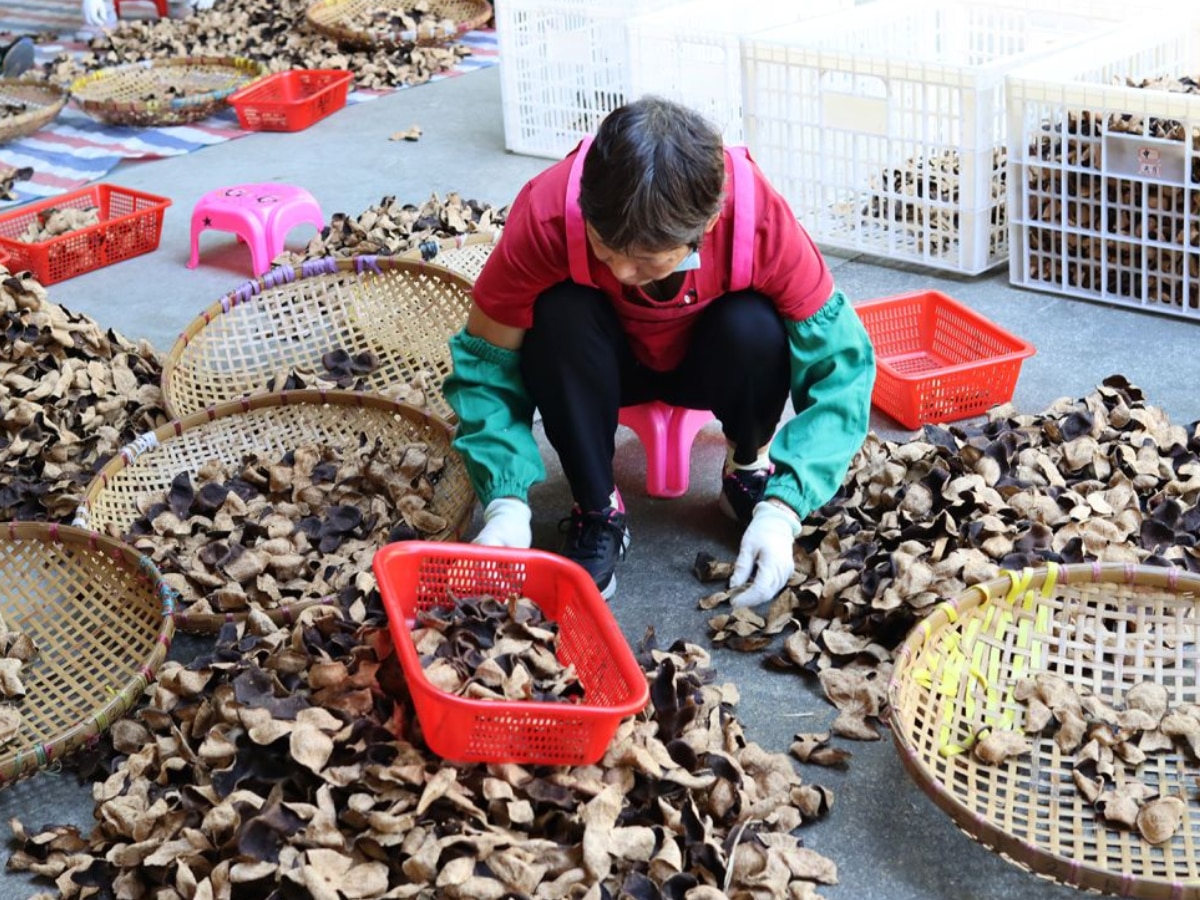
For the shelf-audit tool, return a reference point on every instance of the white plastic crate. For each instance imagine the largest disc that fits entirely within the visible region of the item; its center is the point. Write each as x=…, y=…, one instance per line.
x=1105, y=178
x=691, y=52
x=564, y=65
x=884, y=126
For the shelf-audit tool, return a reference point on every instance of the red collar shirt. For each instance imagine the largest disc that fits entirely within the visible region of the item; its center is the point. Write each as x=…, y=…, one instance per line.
x=532, y=256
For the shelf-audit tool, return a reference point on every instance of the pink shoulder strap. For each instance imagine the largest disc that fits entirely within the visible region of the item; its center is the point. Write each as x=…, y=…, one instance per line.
x=741, y=266
x=577, y=245
x=742, y=262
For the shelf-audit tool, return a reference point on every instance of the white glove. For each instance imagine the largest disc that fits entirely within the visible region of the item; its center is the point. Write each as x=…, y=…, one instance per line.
x=95, y=12
x=506, y=524
x=767, y=548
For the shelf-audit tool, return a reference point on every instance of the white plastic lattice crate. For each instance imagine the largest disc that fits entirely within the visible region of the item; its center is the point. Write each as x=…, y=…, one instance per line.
x=884, y=126
x=692, y=52
x=1105, y=171
x=564, y=67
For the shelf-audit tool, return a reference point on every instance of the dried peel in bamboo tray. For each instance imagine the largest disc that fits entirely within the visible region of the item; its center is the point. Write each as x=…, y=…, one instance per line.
x=392, y=23
x=26, y=106
x=157, y=92
x=464, y=254
x=278, y=501
x=86, y=624
x=380, y=324
x=1020, y=708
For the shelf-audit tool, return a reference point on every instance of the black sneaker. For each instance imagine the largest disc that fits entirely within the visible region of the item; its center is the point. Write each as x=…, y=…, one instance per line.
x=741, y=491
x=596, y=540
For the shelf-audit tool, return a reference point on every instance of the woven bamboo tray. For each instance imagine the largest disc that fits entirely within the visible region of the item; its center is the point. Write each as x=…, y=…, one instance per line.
x=42, y=103
x=272, y=425
x=100, y=615
x=1103, y=628
x=163, y=91
x=373, y=23
x=464, y=255
x=403, y=311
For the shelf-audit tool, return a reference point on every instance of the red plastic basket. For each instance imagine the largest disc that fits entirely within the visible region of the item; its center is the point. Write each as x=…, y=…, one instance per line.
x=130, y=224
x=291, y=100
x=419, y=575
x=937, y=360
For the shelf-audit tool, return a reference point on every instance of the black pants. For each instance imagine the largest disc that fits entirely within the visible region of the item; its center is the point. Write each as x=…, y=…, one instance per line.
x=579, y=370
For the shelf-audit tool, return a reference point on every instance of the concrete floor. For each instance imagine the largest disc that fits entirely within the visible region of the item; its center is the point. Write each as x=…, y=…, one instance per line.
x=887, y=839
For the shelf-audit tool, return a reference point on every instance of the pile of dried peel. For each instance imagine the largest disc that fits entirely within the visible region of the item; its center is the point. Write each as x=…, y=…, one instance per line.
x=1107, y=478
x=281, y=762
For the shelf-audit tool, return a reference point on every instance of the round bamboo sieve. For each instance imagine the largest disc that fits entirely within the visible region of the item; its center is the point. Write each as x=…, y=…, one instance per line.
x=365, y=23
x=1101, y=627
x=41, y=103
x=163, y=91
x=271, y=425
x=403, y=311
x=101, y=617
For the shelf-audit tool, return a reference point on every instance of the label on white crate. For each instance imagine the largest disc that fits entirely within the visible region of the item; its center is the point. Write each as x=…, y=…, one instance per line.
x=853, y=112
x=1136, y=156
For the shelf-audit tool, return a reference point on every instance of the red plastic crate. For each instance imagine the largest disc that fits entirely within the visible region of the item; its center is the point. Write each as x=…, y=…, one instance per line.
x=291, y=100
x=130, y=225
x=419, y=575
x=936, y=360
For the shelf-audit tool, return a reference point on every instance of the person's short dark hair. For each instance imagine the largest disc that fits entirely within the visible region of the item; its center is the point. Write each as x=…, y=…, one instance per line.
x=653, y=177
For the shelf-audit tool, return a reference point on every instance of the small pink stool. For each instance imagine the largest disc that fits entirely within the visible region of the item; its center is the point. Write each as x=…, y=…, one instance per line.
x=666, y=433
x=259, y=214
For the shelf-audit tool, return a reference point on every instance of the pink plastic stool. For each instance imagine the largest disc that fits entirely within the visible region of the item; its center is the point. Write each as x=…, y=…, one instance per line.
x=259, y=214
x=666, y=433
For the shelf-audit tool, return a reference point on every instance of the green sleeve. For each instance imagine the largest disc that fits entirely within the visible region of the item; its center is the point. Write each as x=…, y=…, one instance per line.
x=833, y=371
x=494, y=434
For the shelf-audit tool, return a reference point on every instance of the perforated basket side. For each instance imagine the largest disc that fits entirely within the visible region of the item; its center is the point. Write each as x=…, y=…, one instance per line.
x=884, y=127
x=1105, y=186
x=690, y=52
x=415, y=575
x=938, y=360
x=130, y=224
x=566, y=66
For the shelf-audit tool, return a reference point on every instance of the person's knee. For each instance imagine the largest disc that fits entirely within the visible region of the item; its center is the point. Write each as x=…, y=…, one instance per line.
x=569, y=308
x=748, y=329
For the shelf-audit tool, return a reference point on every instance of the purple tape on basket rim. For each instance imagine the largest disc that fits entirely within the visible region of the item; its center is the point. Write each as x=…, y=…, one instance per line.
x=241, y=294
x=326, y=265
x=367, y=262
x=279, y=275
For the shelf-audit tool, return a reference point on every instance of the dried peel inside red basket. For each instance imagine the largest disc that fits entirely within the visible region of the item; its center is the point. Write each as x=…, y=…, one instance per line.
x=488, y=649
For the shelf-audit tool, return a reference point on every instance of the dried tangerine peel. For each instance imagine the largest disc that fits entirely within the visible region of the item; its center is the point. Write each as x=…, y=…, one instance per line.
x=305, y=771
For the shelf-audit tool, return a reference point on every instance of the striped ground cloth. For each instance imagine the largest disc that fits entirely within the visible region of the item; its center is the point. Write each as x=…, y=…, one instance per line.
x=39, y=17
x=75, y=149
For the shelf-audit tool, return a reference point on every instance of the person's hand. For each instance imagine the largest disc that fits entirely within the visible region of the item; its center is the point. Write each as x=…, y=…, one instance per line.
x=766, y=552
x=95, y=12
x=506, y=524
